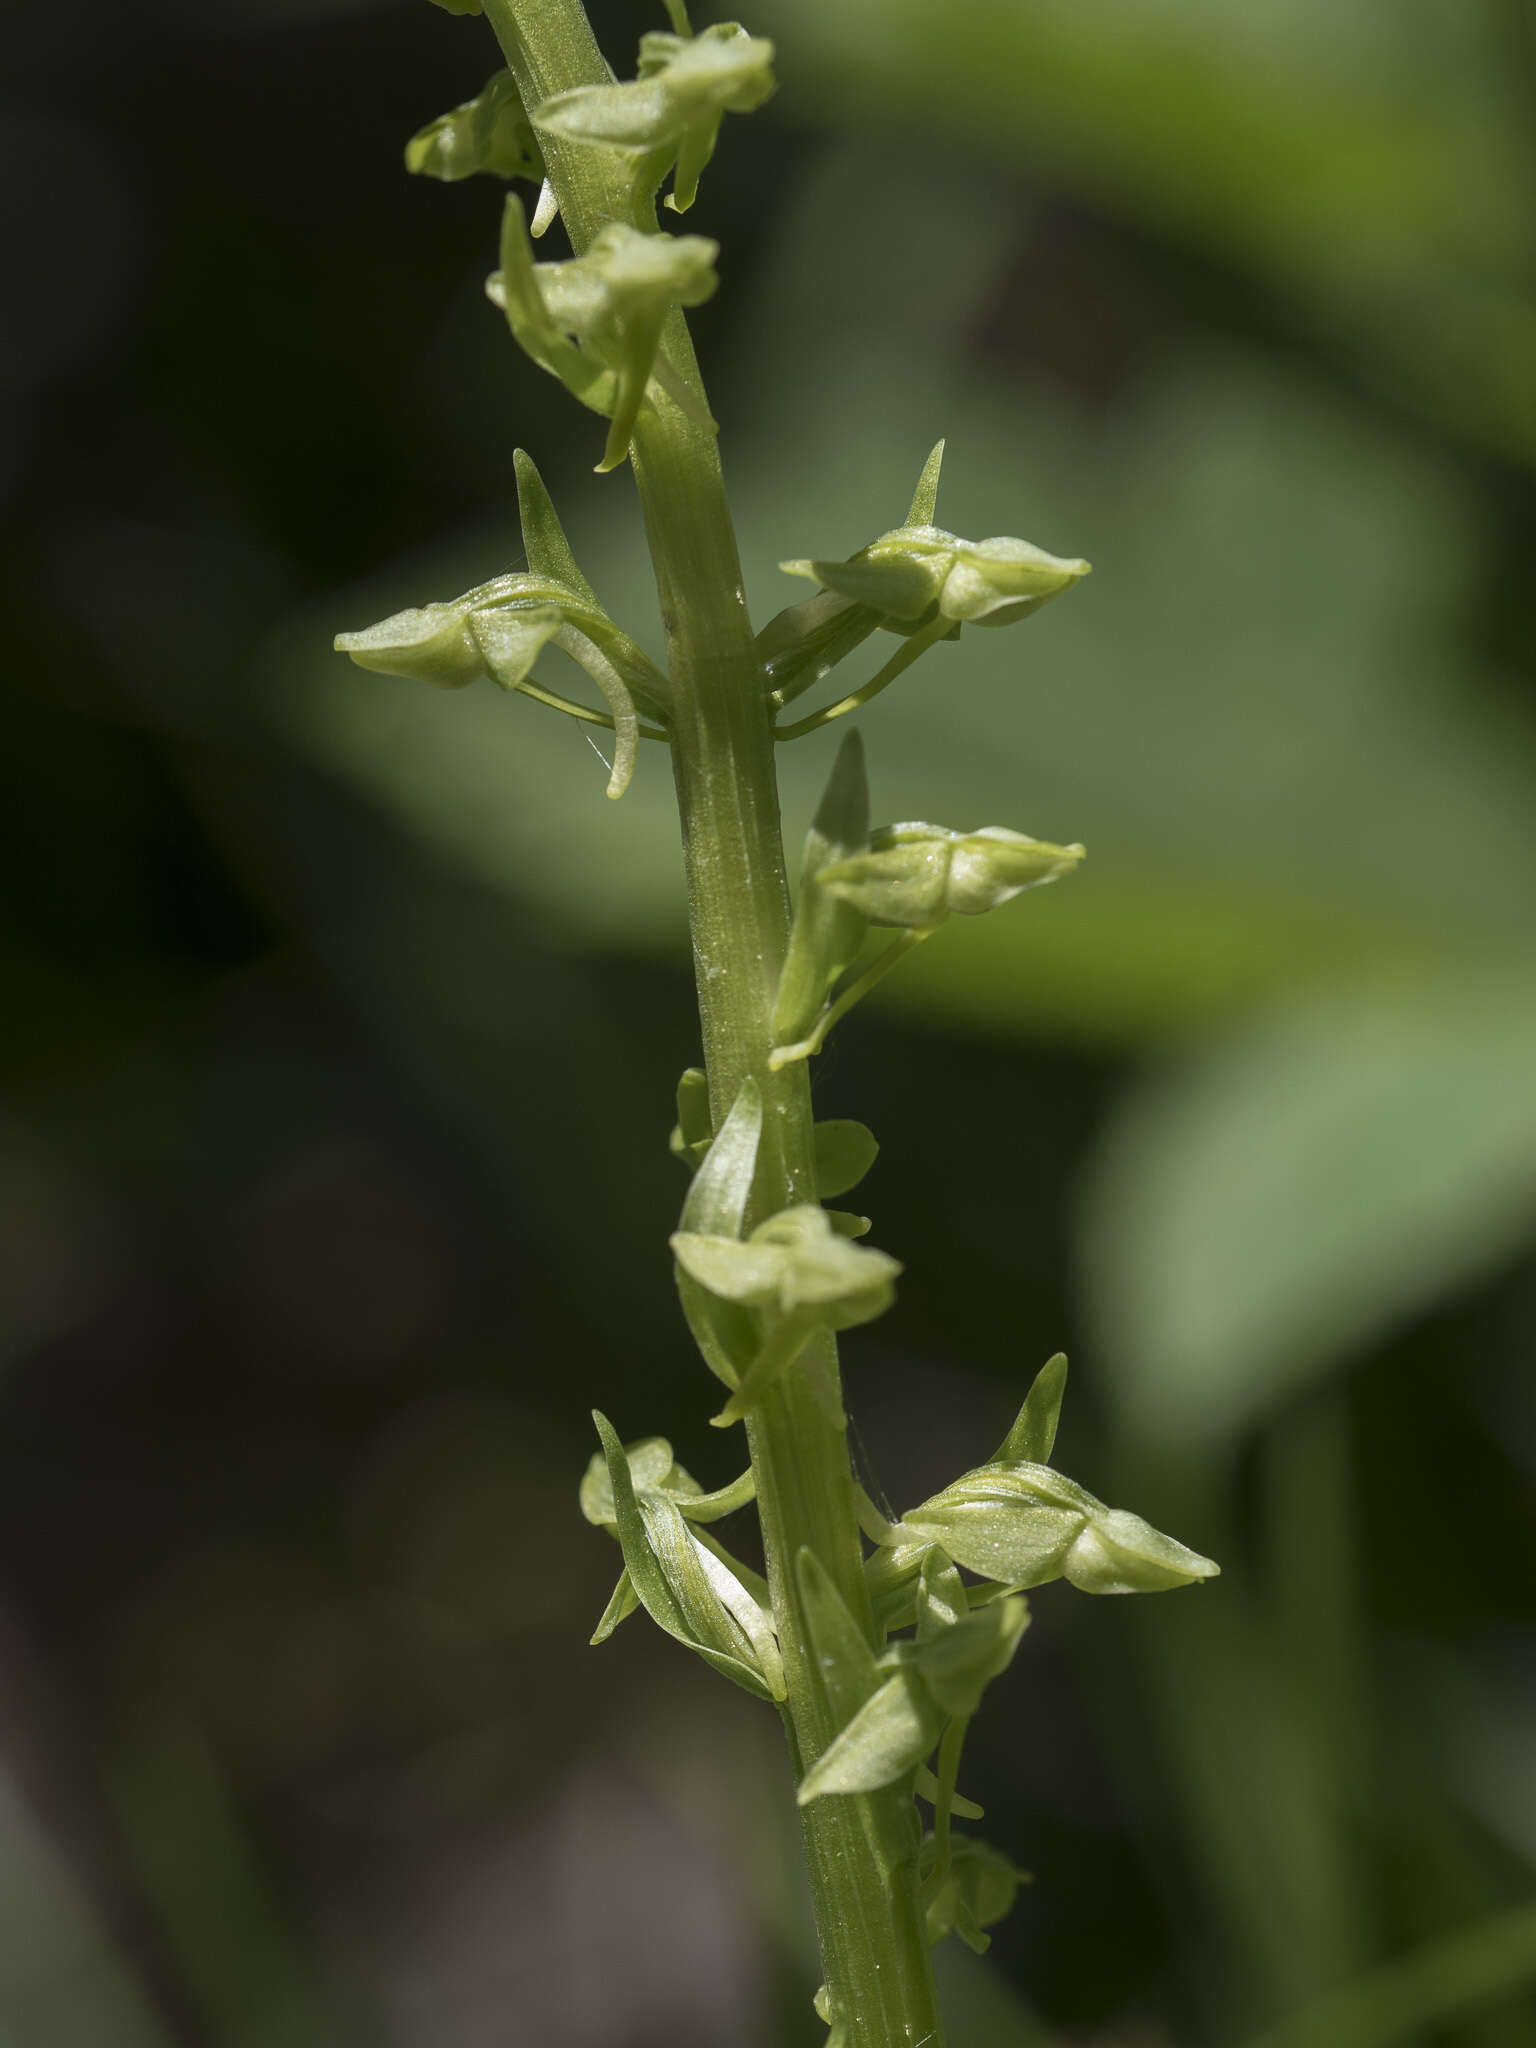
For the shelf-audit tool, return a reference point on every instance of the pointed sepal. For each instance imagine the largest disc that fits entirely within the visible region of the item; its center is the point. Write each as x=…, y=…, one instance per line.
x=1033, y=1435
x=549, y=552
x=925, y=499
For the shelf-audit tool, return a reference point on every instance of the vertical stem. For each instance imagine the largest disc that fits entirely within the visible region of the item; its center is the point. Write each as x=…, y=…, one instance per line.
x=861, y=1848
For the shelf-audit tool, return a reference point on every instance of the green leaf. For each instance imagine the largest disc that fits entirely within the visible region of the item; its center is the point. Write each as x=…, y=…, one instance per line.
x=889, y=1736
x=458, y=6
x=684, y=1587
x=1033, y=1435
x=489, y=133
x=845, y=1151
x=544, y=542
x=827, y=930
x=1263, y=1214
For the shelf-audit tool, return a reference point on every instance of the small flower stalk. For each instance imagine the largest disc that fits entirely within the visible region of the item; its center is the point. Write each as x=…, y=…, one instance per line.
x=876, y=1641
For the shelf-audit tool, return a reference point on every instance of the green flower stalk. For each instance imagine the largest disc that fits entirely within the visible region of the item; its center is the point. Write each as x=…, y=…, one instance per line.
x=876, y=1642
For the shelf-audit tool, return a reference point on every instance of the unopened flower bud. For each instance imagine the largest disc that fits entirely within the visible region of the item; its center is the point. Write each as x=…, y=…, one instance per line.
x=917, y=569
x=916, y=875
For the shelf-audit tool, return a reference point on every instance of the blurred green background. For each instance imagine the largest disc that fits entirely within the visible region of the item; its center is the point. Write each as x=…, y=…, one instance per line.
x=339, y=1079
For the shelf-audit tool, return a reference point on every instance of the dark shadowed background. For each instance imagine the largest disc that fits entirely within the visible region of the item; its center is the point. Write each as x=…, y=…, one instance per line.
x=343, y=1018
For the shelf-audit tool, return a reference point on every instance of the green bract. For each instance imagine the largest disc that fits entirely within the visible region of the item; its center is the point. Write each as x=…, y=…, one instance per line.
x=917, y=875
x=828, y=930
x=922, y=1685
x=488, y=133
x=913, y=570
x=671, y=113
x=596, y=321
